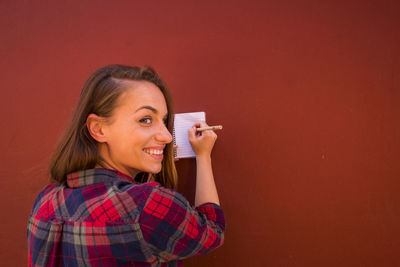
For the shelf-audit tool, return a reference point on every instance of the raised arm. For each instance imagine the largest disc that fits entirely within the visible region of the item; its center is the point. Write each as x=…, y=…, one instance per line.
x=202, y=144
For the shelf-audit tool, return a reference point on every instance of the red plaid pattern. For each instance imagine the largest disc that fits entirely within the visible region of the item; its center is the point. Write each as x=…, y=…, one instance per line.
x=103, y=218
x=158, y=206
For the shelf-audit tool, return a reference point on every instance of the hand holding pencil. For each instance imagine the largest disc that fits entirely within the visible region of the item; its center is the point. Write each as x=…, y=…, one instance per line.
x=202, y=140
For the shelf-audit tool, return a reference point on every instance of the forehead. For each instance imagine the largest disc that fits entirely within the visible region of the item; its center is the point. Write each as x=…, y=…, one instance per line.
x=142, y=93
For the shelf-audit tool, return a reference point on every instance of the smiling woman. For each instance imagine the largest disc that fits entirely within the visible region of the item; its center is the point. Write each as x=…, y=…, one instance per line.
x=114, y=201
x=104, y=99
x=133, y=139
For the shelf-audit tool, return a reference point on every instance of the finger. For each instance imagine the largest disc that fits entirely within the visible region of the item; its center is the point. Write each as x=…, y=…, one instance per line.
x=200, y=124
x=203, y=124
x=192, y=133
x=208, y=132
x=197, y=125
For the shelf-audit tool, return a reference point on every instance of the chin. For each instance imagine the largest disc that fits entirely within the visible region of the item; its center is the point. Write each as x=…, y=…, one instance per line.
x=153, y=170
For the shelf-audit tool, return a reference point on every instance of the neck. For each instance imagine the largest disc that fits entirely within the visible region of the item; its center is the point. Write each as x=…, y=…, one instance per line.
x=106, y=162
x=109, y=166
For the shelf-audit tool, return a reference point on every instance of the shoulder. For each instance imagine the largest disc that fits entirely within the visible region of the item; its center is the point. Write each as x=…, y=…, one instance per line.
x=131, y=199
x=153, y=195
x=164, y=205
x=44, y=198
x=47, y=192
x=161, y=196
x=138, y=192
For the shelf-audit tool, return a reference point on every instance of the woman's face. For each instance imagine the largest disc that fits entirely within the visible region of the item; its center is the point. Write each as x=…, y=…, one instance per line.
x=137, y=134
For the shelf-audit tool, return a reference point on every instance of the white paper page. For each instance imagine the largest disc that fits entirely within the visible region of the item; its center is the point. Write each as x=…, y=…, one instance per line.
x=182, y=123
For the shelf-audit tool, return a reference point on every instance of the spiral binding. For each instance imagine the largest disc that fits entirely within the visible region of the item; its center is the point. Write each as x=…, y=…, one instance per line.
x=175, y=150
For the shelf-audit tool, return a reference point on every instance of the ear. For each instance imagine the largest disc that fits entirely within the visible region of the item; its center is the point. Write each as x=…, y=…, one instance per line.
x=95, y=125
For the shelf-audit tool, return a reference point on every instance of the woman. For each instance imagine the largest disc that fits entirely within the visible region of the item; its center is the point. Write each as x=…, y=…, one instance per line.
x=114, y=203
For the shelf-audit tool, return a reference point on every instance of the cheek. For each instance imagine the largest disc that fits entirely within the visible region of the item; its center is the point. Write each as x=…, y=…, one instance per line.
x=135, y=140
x=126, y=140
x=122, y=139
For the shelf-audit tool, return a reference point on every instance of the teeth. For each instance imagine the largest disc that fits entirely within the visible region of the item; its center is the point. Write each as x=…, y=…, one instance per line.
x=153, y=151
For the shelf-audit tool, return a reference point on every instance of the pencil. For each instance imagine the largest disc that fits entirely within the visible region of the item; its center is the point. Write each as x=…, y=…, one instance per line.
x=217, y=127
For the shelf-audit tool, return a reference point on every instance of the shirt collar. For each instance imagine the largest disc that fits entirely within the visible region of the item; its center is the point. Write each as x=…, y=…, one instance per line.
x=95, y=176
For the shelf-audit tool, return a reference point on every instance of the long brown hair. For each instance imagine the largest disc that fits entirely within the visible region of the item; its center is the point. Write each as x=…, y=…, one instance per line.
x=77, y=150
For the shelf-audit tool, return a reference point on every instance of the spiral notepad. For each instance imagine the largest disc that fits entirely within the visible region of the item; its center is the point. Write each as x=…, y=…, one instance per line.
x=182, y=123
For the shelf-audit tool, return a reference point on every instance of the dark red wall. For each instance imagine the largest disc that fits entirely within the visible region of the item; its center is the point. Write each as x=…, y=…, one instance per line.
x=307, y=165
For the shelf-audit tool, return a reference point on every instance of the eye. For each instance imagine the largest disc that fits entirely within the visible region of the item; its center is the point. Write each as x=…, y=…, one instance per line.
x=146, y=120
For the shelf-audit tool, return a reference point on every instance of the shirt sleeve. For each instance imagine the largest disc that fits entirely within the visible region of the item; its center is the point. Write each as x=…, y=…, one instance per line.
x=174, y=230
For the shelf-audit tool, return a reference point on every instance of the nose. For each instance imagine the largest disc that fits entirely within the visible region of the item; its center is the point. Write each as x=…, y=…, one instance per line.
x=163, y=135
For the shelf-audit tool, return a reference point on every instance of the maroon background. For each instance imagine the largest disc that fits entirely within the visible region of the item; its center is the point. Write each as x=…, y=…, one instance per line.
x=307, y=165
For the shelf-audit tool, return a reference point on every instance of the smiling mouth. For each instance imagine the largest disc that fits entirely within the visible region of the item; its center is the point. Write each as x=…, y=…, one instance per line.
x=153, y=151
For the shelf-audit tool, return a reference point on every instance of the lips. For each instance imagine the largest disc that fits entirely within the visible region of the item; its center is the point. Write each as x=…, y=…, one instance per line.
x=155, y=152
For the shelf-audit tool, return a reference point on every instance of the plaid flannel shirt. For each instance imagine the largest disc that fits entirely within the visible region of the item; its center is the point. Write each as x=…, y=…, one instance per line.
x=102, y=217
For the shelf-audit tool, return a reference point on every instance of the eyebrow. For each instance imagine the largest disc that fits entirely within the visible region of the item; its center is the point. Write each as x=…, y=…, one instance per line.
x=148, y=107
x=155, y=111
